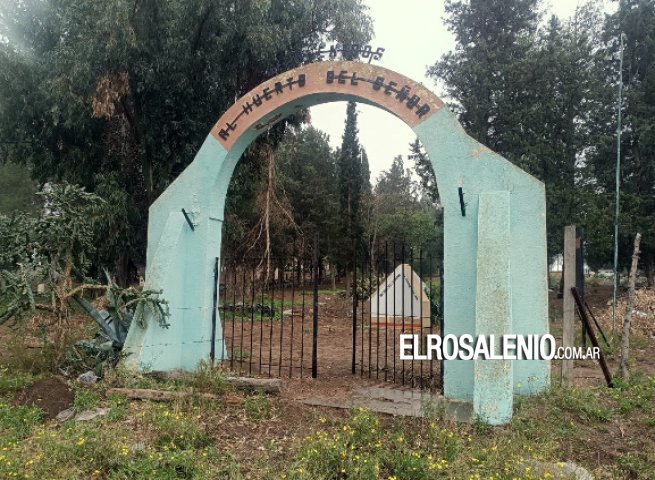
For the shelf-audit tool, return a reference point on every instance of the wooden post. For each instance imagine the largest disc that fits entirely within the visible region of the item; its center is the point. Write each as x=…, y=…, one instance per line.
x=568, y=331
x=627, y=319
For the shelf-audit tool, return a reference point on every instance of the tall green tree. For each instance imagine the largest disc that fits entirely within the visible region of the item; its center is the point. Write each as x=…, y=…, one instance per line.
x=528, y=93
x=17, y=190
x=308, y=179
x=117, y=96
x=352, y=168
x=558, y=120
x=402, y=219
x=635, y=19
x=425, y=171
x=638, y=21
x=484, y=75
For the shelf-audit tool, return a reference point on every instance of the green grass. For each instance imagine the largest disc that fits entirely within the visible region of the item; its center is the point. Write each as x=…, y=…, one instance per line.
x=17, y=423
x=208, y=379
x=12, y=379
x=611, y=432
x=118, y=408
x=257, y=407
x=279, y=306
x=86, y=398
x=562, y=425
x=170, y=440
x=336, y=291
x=240, y=354
x=364, y=448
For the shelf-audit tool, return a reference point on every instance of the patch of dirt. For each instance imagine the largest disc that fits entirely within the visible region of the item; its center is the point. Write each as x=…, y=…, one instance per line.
x=51, y=395
x=257, y=345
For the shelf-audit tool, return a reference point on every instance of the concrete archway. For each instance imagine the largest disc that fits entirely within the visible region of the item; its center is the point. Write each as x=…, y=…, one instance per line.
x=494, y=224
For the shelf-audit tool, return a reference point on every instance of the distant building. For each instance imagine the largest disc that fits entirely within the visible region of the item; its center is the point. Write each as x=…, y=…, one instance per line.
x=558, y=261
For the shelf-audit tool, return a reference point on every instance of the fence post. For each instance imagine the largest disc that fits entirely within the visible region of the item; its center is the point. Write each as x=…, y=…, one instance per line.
x=315, y=312
x=354, y=305
x=568, y=330
x=212, y=352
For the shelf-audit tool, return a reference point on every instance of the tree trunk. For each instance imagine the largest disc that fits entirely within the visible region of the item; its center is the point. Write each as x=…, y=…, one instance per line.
x=267, y=210
x=650, y=273
x=568, y=304
x=122, y=270
x=625, y=335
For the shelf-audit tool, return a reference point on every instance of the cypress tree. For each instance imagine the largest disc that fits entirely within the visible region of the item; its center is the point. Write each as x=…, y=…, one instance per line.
x=351, y=172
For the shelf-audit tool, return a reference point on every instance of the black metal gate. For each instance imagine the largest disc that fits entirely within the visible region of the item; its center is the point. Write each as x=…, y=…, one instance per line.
x=269, y=316
x=294, y=317
x=398, y=291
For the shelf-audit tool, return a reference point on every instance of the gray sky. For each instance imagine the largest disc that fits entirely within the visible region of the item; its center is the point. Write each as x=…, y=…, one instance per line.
x=412, y=42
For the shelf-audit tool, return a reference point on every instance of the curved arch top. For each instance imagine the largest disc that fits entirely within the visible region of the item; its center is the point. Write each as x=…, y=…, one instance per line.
x=313, y=83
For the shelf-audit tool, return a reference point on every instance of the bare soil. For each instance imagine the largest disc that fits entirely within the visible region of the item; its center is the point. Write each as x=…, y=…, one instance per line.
x=282, y=347
x=51, y=395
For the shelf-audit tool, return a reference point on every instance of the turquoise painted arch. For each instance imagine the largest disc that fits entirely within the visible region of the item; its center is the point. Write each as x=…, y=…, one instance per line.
x=494, y=264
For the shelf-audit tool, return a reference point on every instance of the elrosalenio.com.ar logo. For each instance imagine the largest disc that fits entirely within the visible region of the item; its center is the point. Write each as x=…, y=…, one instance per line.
x=490, y=347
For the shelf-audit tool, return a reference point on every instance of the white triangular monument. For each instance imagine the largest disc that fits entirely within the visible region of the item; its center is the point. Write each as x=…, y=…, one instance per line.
x=401, y=299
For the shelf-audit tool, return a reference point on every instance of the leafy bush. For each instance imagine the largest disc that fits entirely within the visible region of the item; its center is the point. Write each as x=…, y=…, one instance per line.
x=55, y=250
x=433, y=291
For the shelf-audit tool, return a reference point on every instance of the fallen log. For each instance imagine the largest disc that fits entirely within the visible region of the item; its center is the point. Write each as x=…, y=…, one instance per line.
x=266, y=385
x=167, y=396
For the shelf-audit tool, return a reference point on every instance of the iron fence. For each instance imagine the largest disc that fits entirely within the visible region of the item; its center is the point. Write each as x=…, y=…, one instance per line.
x=300, y=316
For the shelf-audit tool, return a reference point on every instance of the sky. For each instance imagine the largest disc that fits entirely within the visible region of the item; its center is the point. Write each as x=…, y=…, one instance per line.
x=412, y=43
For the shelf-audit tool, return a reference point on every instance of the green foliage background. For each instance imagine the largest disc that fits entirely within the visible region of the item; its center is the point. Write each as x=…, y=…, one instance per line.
x=117, y=96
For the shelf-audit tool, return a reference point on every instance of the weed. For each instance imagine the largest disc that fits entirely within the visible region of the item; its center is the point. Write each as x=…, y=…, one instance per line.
x=176, y=429
x=85, y=399
x=240, y=354
x=118, y=405
x=637, y=466
x=595, y=412
x=209, y=379
x=12, y=380
x=434, y=410
x=257, y=407
x=228, y=468
x=481, y=427
x=450, y=444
